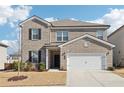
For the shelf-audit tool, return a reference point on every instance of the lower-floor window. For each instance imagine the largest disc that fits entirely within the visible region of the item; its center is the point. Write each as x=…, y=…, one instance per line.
x=34, y=56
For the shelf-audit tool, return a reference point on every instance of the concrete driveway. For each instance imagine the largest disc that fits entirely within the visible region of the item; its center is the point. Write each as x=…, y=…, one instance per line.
x=96, y=78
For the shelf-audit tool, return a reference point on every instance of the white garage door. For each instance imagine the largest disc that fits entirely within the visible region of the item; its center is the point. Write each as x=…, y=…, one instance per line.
x=79, y=62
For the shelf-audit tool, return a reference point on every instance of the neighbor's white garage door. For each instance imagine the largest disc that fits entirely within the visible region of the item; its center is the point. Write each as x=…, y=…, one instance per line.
x=80, y=62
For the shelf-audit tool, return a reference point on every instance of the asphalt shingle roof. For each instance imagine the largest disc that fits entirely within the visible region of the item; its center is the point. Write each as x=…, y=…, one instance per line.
x=74, y=23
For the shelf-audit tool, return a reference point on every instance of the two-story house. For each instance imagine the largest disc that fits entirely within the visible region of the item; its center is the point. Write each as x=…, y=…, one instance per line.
x=117, y=38
x=65, y=43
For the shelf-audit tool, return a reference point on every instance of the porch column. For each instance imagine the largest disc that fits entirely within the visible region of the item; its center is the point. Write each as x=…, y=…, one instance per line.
x=46, y=58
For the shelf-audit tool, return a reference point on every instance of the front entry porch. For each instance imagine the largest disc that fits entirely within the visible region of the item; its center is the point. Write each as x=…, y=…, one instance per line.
x=52, y=58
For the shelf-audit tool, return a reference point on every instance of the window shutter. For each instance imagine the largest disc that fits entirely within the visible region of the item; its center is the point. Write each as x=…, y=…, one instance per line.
x=39, y=56
x=30, y=33
x=30, y=58
x=39, y=33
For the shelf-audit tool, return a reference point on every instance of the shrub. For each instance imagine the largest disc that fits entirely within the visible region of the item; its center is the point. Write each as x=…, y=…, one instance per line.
x=111, y=68
x=41, y=66
x=15, y=65
x=29, y=66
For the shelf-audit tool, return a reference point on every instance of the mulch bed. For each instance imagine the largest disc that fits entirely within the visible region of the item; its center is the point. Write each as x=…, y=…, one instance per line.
x=16, y=78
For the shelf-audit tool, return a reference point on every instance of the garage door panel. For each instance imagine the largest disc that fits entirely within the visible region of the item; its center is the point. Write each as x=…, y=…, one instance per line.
x=84, y=62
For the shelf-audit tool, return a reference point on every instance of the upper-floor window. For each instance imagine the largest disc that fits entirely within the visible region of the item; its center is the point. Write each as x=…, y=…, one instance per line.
x=62, y=36
x=99, y=34
x=34, y=34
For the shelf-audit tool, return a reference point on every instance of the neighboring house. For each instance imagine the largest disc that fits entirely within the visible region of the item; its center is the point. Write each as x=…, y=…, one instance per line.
x=3, y=55
x=14, y=57
x=117, y=38
x=64, y=43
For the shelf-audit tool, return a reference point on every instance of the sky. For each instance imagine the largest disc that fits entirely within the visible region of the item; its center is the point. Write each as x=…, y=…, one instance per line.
x=10, y=16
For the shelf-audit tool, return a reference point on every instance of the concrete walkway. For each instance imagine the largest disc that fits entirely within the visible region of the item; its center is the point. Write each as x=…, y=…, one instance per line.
x=96, y=78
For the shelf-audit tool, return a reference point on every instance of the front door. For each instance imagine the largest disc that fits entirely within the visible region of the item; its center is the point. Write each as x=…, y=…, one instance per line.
x=56, y=61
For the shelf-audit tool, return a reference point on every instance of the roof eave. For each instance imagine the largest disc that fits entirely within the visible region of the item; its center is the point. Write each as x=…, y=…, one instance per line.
x=3, y=45
x=32, y=17
x=115, y=31
x=79, y=27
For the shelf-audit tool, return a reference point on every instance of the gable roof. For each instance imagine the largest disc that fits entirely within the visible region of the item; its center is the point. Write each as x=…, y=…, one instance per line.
x=65, y=23
x=91, y=37
x=35, y=17
x=115, y=31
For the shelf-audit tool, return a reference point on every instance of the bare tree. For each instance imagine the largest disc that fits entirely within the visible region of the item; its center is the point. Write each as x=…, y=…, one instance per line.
x=19, y=48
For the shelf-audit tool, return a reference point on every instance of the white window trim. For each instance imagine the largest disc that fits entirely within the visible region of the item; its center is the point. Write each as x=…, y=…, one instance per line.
x=98, y=35
x=62, y=36
x=32, y=34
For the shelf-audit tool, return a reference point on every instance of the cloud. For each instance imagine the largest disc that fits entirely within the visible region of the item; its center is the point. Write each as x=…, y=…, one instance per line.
x=115, y=18
x=12, y=14
x=74, y=19
x=13, y=45
x=50, y=19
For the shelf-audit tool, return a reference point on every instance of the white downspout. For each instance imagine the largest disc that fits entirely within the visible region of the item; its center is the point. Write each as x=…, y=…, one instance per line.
x=47, y=59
